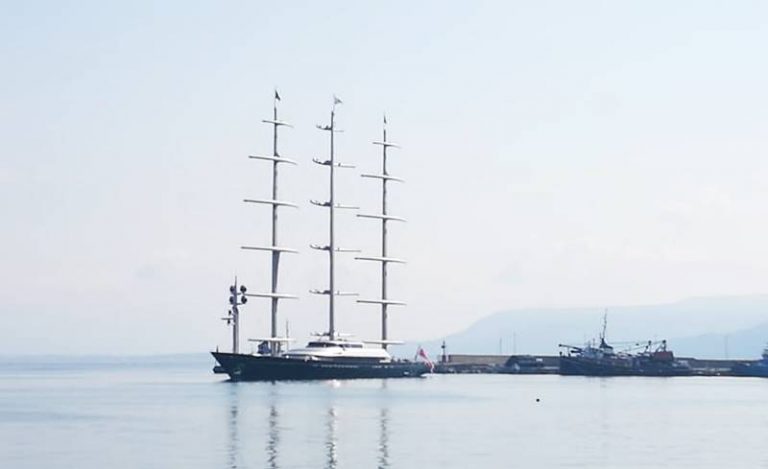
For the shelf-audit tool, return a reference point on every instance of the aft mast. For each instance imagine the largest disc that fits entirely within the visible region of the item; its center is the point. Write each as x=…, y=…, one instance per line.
x=275, y=249
x=332, y=206
x=385, y=217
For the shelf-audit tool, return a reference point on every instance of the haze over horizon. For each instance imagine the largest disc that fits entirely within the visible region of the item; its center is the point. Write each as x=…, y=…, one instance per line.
x=556, y=155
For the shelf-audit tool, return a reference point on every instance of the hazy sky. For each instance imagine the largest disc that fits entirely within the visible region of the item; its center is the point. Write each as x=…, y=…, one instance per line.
x=556, y=154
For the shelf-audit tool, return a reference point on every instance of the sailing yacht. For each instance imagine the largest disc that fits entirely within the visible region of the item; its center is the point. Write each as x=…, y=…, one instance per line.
x=330, y=355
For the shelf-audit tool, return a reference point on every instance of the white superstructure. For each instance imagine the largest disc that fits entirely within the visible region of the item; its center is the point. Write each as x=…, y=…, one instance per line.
x=324, y=348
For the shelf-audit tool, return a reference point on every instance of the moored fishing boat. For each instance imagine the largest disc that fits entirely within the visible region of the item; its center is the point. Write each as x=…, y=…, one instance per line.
x=603, y=360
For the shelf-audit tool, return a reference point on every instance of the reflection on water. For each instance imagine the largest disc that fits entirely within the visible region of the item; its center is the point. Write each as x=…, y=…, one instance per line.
x=240, y=419
x=383, y=432
x=166, y=417
x=383, y=438
x=330, y=443
x=274, y=435
x=234, y=439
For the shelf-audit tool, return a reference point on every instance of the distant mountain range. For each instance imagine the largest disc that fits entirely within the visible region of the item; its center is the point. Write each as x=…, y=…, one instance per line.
x=718, y=327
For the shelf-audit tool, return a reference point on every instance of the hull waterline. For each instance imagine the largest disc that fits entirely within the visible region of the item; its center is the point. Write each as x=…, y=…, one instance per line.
x=751, y=370
x=244, y=367
x=576, y=366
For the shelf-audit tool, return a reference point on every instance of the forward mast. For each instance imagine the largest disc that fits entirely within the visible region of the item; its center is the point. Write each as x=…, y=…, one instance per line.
x=274, y=341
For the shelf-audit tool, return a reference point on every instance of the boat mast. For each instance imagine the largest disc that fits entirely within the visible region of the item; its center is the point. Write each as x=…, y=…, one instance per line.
x=385, y=217
x=237, y=298
x=332, y=206
x=605, y=326
x=275, y=203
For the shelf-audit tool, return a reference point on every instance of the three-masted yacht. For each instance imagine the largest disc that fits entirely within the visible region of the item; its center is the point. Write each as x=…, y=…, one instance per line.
x=330, y=355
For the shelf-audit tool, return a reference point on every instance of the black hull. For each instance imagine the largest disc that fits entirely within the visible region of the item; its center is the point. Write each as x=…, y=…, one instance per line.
x=242, y=367
x=576, y=366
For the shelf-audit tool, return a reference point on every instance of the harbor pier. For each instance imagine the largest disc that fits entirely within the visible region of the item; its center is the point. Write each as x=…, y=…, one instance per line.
x=549, y=364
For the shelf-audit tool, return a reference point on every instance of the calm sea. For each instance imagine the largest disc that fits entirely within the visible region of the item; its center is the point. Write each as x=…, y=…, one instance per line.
x=173, y=413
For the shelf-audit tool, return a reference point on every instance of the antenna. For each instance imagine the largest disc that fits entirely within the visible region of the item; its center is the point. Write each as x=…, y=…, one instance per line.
x=605, y=325
x=385, y=217
x=275, y=203
x=237, y=298
x=287, y=334
x=331, y=205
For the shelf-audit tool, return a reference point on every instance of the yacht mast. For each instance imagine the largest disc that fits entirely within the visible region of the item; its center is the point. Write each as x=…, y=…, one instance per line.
x=236, y=299
x=385, y=217
x=275, y=203
x=332, y=206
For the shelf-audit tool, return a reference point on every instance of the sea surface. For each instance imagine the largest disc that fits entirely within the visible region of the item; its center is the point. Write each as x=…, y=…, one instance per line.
x=172, y=412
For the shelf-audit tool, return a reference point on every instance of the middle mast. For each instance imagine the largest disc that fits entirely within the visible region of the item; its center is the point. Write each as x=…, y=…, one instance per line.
x=332, y=206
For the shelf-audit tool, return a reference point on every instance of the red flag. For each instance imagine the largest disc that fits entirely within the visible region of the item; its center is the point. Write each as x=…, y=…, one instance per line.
x=423, y=354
